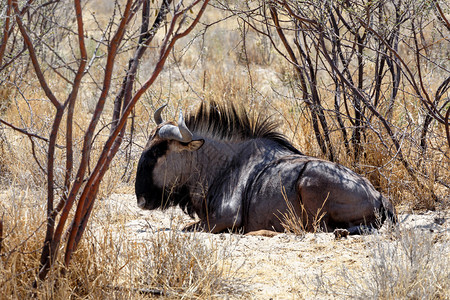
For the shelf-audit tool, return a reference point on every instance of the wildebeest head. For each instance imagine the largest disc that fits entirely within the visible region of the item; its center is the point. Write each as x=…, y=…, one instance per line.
x=161, y=167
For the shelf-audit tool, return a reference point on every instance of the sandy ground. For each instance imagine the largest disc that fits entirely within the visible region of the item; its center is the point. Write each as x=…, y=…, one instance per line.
x=285, y=266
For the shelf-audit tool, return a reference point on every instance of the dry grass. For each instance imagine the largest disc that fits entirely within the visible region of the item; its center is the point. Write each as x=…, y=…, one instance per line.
x=110, y=265
x=292, y=222
x=183, y=265
x=411, y=264
x=306, y=221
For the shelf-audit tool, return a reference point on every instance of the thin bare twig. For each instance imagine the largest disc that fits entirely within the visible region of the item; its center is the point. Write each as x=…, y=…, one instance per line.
x=23, y=131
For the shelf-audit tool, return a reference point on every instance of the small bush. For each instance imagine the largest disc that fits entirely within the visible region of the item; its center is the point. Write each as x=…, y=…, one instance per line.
x=183, y=264
x=413, y=265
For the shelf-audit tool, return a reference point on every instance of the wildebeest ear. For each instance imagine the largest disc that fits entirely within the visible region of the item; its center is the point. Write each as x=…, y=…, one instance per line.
x=195, y=145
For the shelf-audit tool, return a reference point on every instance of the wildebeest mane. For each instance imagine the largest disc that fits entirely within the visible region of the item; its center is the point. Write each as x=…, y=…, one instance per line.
x=227, y=122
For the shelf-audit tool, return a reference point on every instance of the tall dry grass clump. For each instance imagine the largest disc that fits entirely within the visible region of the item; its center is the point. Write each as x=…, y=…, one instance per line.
x=23, y=233
x=183, y=265
x=306, y=221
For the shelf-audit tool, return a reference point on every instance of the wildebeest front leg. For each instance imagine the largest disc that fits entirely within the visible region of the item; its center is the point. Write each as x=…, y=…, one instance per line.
x=227, y=217
x=206, y=227
x=200, y=226
x=194, y=226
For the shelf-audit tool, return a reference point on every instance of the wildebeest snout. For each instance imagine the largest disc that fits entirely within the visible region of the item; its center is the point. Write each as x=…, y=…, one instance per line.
x=141, y=201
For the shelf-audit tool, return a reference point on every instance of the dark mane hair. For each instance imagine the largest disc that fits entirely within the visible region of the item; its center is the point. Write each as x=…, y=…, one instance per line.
x=225, y=121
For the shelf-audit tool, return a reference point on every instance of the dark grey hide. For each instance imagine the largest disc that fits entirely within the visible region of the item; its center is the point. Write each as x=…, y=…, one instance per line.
x=237, y=173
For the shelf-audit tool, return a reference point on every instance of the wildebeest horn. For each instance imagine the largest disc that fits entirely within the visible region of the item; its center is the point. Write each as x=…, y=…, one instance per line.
x=157, y=115
x=179, y=133
x=185, y=132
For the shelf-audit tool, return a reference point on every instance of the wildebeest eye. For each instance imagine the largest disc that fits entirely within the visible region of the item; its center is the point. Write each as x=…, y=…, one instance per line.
x=156, y=152
x=159, y=150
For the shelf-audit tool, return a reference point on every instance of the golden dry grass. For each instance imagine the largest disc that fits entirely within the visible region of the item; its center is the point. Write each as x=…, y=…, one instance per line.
x=411, y=264
x=109, y=263
x=108, y=266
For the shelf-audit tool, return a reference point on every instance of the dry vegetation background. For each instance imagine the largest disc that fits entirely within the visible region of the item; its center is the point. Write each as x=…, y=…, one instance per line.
x=235, y=55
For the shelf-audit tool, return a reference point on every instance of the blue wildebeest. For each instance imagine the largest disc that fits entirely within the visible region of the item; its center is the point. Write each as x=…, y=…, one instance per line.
x=237, y=173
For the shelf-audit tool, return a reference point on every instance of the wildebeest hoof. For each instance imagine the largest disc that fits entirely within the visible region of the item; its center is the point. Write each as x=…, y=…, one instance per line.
x=263, y=232
x=340, y=233
x=193, y=226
